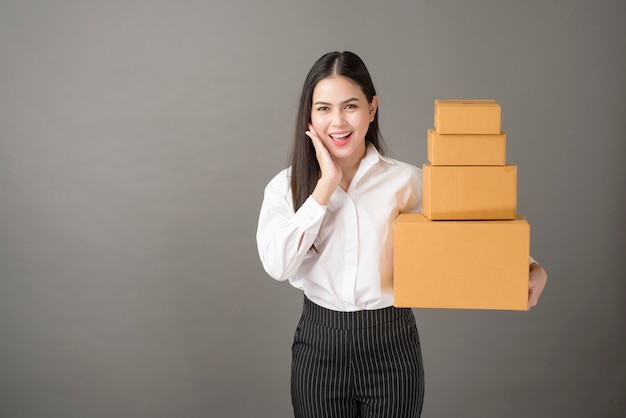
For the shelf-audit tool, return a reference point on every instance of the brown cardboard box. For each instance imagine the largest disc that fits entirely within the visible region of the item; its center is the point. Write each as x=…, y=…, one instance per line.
x=461, y=264
x=466, y=149
x=469, y=192
x=467, y=117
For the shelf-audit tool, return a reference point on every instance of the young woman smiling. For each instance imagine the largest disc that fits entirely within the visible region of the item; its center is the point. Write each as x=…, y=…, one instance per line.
x=326, y=226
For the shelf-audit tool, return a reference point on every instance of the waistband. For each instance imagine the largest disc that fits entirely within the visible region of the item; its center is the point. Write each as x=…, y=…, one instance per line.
x=351, y=320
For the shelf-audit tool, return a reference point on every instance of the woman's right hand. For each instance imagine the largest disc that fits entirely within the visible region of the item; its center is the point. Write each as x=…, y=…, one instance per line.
x=330, y=172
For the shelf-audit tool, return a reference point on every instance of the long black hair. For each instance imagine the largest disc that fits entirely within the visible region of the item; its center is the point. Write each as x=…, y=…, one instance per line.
x=305, y=170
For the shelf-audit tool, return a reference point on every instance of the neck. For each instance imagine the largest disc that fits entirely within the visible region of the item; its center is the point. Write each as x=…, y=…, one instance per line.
x=349, y=168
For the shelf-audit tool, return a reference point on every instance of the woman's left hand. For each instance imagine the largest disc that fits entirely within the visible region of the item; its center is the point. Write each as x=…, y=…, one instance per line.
x=536, y=283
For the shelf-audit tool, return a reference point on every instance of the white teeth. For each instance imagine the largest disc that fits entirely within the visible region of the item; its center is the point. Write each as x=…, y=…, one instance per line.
x=340, y=136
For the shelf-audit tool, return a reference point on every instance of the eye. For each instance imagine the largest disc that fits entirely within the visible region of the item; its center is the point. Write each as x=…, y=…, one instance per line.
x=322, y=108
x=351, y=106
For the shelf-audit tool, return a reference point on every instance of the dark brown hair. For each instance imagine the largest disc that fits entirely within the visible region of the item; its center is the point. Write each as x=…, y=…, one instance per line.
x=305, y=170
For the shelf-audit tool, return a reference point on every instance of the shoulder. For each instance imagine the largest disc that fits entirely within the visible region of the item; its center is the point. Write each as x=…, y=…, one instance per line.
x=407, y=179
x=280, y=182
x=397, y=167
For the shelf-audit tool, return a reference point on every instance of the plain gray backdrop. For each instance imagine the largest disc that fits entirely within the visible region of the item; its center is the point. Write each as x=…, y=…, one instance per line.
x=136, y=138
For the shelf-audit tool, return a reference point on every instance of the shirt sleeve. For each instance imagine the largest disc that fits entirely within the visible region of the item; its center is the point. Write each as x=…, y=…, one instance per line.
x=414, y=191
x=284, y=237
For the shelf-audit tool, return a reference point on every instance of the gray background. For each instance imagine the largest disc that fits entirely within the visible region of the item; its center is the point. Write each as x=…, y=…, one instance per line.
x=135, y=142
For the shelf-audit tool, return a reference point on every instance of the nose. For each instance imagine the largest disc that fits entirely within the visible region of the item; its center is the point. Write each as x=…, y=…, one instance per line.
x=337, y=117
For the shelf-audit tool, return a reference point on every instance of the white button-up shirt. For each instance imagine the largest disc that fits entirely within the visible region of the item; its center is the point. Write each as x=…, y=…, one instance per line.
x=351, y=266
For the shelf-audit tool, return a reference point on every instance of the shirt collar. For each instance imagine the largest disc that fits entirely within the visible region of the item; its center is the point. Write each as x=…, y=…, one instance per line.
x=372, y=156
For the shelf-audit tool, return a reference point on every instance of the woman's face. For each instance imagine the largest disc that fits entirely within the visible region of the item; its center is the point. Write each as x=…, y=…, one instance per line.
x=340, y=116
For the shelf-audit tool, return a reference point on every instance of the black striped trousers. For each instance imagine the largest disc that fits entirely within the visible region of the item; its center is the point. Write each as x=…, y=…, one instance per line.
x=356, y=364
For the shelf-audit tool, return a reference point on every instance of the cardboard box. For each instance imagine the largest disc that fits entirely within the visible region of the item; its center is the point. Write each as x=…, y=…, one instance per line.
x=469, y=192
x=461, y=264
x=466, y=149
x=467, y=117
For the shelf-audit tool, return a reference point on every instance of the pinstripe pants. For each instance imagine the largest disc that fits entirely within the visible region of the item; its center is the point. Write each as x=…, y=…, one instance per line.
x=356, y=364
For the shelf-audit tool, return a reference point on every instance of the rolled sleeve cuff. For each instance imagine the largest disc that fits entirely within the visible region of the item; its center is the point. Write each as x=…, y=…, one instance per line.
x=310, y=214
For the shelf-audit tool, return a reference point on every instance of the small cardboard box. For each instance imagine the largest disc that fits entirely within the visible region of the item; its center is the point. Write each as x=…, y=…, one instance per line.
x=467, y=117
x=461, y=264
x=469, y=192
x=466, y=149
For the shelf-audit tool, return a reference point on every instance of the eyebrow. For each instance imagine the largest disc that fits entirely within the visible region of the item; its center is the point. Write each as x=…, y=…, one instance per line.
x=352, y=99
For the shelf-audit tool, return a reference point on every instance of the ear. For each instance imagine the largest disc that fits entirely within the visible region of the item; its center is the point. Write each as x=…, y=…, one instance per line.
x=373, y=108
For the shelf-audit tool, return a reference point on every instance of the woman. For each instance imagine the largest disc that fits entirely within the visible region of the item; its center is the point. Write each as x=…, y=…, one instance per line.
x=326, y=225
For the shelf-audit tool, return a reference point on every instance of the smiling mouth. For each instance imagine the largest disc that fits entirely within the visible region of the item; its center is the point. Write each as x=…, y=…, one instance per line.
x=340, y=138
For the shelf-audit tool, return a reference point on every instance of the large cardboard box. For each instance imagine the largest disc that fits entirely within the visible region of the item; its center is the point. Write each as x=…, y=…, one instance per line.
x=461, y=264
x=466, y=149
x=467, y=116
x=469, y=192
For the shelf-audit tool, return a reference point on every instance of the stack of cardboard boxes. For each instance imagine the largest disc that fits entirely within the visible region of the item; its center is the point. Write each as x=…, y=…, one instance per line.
x=469, y=249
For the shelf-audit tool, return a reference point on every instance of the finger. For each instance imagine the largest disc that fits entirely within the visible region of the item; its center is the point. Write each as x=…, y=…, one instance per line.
x=533, y=298
x=313, y=135
x=317, y=144
x=320, y=149
x=314, y=132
